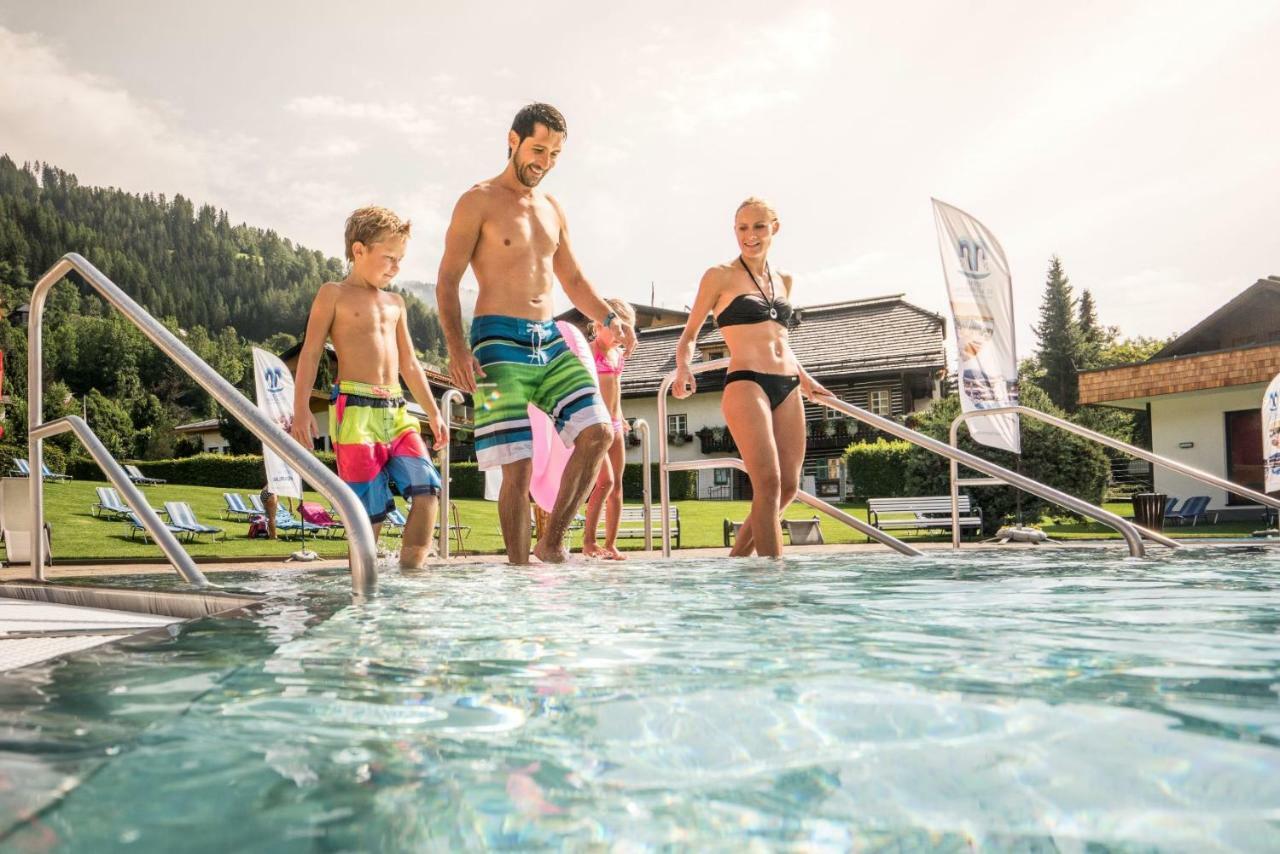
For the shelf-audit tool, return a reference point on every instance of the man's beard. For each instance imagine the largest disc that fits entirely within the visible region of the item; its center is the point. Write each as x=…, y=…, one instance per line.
x=524, y=173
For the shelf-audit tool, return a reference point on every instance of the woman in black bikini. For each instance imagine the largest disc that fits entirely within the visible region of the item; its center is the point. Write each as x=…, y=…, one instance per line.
x=760, y=405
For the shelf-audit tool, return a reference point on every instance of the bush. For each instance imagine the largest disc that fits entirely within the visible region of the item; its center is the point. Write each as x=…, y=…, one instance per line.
x=1067, y=462
x=878, y=469
x=221, y=470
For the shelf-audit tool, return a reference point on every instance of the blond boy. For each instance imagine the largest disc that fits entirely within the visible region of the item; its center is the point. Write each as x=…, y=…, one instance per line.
x=374, y=436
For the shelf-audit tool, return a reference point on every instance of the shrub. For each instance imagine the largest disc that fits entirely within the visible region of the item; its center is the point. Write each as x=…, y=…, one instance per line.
x=1052, y=456
x=878, y=469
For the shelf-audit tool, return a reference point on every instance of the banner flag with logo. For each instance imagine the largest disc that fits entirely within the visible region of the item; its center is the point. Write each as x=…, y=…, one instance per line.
x=1271, y=435
x=274, y=386
x=981, y=293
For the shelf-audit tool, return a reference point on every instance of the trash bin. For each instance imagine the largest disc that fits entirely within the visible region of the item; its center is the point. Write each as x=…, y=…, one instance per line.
x=1148, y=510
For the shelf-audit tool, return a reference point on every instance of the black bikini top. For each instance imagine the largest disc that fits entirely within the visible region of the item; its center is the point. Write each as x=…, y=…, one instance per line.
x=749, y=308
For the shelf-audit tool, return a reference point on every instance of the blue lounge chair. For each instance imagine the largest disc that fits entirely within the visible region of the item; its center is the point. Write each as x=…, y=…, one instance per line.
x=53, y=475
x=236, y=508
x=135, y=525
x=255, y=501
x=1193, y=510
x=394, y=523
x=181, y=514
x=110, y=505
x=285, y=521
x=21, y=468
x=139, y=478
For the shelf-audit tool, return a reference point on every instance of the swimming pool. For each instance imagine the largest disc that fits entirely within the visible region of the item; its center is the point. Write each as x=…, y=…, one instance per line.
x=1005, y=700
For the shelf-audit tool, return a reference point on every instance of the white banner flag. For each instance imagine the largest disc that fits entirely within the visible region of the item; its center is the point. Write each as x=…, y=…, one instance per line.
x=981, y=292
x=274, y=386
x=1271, y=435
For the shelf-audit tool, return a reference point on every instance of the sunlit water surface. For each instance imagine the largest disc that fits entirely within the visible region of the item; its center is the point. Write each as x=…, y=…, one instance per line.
x=1041, y=701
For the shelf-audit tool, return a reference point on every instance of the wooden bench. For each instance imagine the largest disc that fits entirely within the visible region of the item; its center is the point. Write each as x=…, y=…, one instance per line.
x=932, y=512
x=801, y=532
x=631, y=523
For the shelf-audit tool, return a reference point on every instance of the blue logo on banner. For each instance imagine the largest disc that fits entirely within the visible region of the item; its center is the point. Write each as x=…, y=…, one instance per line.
x=973, y=258
x=275, y=380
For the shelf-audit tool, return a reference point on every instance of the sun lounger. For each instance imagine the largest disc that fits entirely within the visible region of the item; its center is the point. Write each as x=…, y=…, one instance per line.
x=255, y=501
x=1192, y=510
x=285, y=521
x=20, y=468
x=53, y=475
x=318, y=516
x=181, y=514
x=110, y=505
x=141, y=479
x=236, y=509
x=135, y=526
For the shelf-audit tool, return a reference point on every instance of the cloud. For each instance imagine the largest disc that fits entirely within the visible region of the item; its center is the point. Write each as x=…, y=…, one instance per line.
x=397, y=116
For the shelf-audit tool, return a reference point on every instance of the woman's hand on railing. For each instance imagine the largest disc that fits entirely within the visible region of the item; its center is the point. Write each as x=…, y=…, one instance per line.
x=811, y=388
x=684, y=383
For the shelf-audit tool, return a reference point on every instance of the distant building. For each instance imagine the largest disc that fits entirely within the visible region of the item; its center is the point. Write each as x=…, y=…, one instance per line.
x=883, y=354
x=1204, y=395
x=211, y=440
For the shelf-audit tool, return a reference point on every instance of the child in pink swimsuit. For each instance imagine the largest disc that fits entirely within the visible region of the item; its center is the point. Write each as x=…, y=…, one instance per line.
x=607, y=494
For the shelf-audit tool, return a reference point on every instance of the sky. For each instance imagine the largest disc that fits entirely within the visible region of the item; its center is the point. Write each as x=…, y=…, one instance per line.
x=1135, y=140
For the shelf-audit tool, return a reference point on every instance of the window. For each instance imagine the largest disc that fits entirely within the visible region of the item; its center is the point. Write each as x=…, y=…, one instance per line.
x=880, y=402
x=677, y=424
x=722, y=477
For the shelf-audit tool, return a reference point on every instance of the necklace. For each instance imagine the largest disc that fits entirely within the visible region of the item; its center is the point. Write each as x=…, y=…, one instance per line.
x=769, y=298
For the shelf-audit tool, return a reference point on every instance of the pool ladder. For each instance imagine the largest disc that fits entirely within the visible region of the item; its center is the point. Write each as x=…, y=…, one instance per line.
x=362, y=548
x=1132, y=534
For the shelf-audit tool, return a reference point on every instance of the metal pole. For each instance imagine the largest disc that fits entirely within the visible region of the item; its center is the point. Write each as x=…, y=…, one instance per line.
x=362, y=549
x=446, y=410
x=646, y=486
x=955, y=502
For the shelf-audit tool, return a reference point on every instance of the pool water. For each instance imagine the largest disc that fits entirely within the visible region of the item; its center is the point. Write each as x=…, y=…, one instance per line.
x=1023, y=701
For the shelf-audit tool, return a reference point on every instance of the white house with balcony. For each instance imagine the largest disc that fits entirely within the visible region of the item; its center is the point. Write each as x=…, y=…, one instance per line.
x=883, y=354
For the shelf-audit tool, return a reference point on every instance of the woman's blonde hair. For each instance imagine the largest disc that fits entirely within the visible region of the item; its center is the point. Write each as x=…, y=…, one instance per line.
x=756, y=201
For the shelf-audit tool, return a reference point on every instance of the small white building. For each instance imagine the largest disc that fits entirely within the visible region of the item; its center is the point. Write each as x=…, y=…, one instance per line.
x=1204, y=395
x=883, y=354
x=211, y=441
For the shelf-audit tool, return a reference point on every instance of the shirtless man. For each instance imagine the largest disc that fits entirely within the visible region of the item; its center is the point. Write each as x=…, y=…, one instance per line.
x=516, y=240
x=375, y=438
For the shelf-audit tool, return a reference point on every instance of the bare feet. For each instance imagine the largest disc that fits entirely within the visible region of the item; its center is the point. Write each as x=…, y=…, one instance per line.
x=413, y=557
x=592, y=550
x=612, y=553
x=547, y=554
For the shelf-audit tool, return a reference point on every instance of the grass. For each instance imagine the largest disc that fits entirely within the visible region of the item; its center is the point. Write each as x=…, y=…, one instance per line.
x=79, y=536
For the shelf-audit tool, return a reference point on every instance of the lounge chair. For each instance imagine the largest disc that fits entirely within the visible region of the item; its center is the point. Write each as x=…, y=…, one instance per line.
x=1193, y=510
x=21, y=468
x=285, y=521
x=135, y=525
x=318, y=516
x=181, y=514
x=53, y=475
x=110, y=505
x=394, y=523
x=236, y=508
x=139, y=478
x=255, y=501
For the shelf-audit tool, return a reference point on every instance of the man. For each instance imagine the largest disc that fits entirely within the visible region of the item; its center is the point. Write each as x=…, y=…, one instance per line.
x=514, y=236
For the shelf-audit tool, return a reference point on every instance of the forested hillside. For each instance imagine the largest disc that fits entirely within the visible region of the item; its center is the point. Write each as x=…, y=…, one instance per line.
x=221, y=286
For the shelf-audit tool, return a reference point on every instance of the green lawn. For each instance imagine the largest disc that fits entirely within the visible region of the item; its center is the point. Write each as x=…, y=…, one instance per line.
x=78, y=535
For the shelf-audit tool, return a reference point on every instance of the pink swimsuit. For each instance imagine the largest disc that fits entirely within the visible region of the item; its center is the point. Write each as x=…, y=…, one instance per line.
x=603, y=367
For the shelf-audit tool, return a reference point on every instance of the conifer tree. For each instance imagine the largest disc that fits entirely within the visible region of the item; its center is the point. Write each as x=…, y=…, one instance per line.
x=1059, y=353
x=1092, y=336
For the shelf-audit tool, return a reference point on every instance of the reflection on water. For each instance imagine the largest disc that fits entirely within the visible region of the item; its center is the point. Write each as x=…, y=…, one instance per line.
x=1018, y=701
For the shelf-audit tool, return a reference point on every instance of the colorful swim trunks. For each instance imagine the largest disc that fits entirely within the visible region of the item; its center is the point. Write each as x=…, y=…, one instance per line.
x=527, y=361
x=376, y=441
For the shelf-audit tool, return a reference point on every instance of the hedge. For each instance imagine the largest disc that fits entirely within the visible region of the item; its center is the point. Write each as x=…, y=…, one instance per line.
x=878, y=469
x=245, y=472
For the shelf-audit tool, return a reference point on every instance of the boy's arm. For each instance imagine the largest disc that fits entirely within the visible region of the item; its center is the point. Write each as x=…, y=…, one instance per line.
x=304, y=427
x=414, y=377
x=580, y=292
x=459, y=244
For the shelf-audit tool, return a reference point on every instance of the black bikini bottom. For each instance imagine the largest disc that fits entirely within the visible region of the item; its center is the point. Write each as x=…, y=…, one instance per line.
x=776, y=387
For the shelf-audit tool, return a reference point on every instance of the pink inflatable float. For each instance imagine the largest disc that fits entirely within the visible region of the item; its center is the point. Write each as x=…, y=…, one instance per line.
x=550, y=455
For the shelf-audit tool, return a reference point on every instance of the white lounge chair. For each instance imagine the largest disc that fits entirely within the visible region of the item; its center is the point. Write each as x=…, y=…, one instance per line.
x=236, y=508
x=181, y=514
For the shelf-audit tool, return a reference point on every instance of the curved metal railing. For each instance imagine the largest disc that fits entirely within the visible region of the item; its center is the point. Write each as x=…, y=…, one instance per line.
x=362, y=549
x=1132, y=535
x=1102, y=439
x=446, y=411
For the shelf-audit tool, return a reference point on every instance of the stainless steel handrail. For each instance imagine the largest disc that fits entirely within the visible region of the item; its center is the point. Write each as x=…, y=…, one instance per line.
x=665, y=466
x=1130, y=532
x=158, y=530
x=646, y=486
x=361, y=550
x=446, y=410
x=1110, y=442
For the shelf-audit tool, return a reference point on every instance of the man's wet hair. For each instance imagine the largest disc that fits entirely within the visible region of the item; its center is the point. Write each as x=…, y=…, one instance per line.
x=534, y=114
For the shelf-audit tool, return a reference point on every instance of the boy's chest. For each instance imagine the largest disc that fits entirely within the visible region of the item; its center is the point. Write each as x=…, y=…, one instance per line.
x=365, y=313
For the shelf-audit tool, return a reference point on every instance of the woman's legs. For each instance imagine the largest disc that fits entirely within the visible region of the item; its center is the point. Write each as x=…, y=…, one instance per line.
x=789, y=436
x=617, y=461
x=603, y=488
x=746, y=409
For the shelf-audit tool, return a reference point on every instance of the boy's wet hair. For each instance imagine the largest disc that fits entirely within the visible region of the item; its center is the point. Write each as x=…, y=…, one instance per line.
x=535, y=114
x=371, y=224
